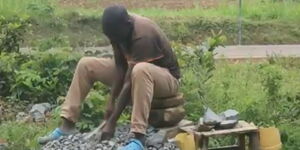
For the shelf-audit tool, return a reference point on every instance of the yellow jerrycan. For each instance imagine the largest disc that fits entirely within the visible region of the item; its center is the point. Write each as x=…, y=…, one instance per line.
x=270, y=139
x=185, y=141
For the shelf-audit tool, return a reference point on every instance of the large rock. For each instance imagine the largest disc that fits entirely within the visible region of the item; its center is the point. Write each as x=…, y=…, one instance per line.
x=168, y=102
x=3, y=144
x=38, y=111
x=211, y=118
x=230, y=114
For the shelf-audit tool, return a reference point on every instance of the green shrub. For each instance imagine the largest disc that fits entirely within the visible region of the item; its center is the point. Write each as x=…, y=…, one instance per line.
x=198, y=65
x=93, y=108
x=290, y=135
x=9, y=62
x=12, y=32
x=37, y=76
x=45, y=76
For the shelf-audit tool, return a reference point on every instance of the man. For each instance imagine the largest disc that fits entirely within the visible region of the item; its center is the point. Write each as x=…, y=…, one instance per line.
x=144, y=67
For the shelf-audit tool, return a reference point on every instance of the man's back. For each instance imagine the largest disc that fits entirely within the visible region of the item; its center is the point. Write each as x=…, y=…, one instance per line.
x=150, y=44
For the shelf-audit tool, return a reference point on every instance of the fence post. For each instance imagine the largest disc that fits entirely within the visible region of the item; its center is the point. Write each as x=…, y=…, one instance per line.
x=240, y=21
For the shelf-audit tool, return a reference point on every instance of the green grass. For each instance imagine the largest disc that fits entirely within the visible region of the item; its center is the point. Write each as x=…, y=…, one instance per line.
x=241, y=85
x=264, y=22
x=264, y=93
x=254, y=10
x=18, y=7
x=287, y=10
x=235, y=86
x=23, y=136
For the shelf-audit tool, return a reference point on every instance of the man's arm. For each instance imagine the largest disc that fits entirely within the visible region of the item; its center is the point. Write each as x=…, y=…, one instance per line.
x=122, y=101
x=124, y=97
x=121, y=67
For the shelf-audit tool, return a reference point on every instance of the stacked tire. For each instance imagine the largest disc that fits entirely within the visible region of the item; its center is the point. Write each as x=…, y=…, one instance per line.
x=167, y=112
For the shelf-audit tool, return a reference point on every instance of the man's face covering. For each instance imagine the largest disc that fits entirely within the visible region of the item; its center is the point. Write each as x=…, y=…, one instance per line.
x=116, y=23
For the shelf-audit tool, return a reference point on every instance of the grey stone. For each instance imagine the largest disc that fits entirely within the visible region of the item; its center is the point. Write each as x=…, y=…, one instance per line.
x=230, y=118
x=20, y=116
x=227, y=124
x=211, y=118
x=202, y=127
x=38, y=111
x=99, y=51
x=230, y=114
x=77, y=141
x=3, y=146
x=156, y=138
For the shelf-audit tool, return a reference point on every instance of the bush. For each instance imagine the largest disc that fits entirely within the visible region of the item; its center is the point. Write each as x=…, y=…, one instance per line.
x=290, y=134
x=265, y=93
x=198, y=65
x=12, y=32
x=9, y=62
x=93, y=108
x=37, y=77
x=44, y=76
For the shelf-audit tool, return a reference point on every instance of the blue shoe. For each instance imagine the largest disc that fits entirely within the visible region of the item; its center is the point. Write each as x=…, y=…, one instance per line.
x=133, y=144
x=56, y=134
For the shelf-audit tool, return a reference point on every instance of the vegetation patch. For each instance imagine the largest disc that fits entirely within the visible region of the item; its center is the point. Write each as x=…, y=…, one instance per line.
x=250, y=88
x=264, y=22
x=266, y=93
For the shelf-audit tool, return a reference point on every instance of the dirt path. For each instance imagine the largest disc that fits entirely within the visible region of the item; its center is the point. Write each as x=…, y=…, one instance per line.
x=257, y=51
x=228, y=52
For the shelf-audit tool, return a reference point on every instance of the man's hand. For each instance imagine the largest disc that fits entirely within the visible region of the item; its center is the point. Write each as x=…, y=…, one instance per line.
x=108, y=130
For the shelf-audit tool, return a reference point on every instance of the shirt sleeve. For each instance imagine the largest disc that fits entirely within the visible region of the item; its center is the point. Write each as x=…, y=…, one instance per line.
x=145, y=49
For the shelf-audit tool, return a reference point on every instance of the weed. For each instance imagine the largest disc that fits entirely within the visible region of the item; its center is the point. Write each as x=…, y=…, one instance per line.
x=12, y=32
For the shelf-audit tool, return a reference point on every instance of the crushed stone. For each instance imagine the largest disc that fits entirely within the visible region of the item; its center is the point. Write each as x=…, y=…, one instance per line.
x=77, y=142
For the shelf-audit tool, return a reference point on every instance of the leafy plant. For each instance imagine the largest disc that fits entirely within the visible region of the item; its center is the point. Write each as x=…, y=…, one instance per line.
x=42, y=10
x=12, y=32
x=198, y=65
x=42, y=77
x=93, y=108
x=9, y=62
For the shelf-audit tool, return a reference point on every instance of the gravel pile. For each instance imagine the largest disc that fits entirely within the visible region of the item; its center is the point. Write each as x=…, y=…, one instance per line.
x=76, y=142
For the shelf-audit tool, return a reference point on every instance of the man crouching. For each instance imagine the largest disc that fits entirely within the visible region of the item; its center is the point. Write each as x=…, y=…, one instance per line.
x=144, y=67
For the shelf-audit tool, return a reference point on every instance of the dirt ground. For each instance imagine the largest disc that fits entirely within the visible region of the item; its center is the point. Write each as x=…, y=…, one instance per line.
x=168, y=4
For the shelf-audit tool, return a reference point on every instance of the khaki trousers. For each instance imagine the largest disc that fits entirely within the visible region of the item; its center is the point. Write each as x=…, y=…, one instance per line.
x=148, y=81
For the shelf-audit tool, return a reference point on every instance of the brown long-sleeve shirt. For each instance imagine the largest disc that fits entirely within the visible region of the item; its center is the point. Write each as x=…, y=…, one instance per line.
x=149, y=44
